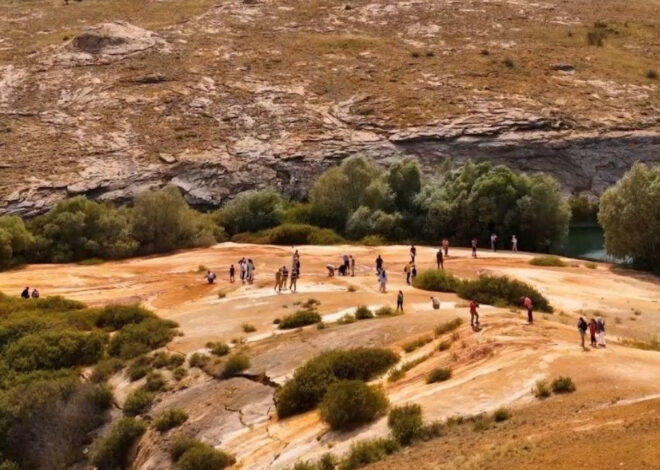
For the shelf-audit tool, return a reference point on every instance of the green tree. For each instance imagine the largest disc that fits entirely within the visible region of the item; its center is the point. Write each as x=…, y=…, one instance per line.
x=15, y=240
x=630, y=216
x=251, y=211
x=405, y=181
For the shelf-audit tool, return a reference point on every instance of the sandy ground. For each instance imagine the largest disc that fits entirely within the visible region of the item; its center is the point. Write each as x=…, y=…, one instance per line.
x=494, y=367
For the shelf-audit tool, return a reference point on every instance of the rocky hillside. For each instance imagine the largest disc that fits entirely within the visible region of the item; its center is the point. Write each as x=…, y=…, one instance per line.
x=109, y=98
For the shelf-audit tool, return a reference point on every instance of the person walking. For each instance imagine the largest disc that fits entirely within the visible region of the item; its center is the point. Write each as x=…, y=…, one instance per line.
x=382, y=281
x=294, y=280
x=582, y=329
x=514, y=243
x=243, y=269
x=278, y=280
x=352, y=266
x=379, y=264
x=413, y=253
x=26, y=293
x=445, y=246
x=529, y=305
x=600, y=330
x=493, y=242
x=399, y=301
x=413, y=273
x=232, y=273
x=592, y=332
x=439, y=260
x=474, y=313
x=250, y=271
x=285, y=278
x=407, y=270
x=474, y=247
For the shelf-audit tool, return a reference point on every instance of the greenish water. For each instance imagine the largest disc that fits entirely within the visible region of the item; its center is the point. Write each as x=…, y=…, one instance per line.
x=586, y=242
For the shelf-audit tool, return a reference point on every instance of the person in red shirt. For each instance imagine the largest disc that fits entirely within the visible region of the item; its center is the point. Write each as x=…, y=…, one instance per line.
x=474, y=313
x=529, y=305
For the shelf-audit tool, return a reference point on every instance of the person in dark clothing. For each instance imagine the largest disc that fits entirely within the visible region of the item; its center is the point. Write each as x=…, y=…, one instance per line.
x=232, y=273
x=413, y=253
x=474, y=247
x=592, y=332
x=379, y=264
x=439, y=259
x=26, y=293
x=399, y=301
x=474, y=313
x=582, y=329
x=210, y=277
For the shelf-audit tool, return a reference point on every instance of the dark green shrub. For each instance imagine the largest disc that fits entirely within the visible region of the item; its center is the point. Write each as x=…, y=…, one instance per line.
x=248, y=328
x=113, y=452
x=155, y=382
x=363, y=313
x=446, y=327
x=137, y=402
x=198, y=360
x=179, y=373
x=106, y=369
x=386, y=311
x=563, y=385
x=438, y=375
x=218, y=348
x=493, y=290
x=300, y=318
x=101, y=396
x=547, y=260
x=291, y=234
x=437, y=280
x=541, y=389
x=140, y=367
x=251, y=211
x=405, y=422
x=170, y=419
x=135, y=339
x=410, y=346
x=501, y=414
x=114, y=317
x=351, y=403
x=362, y=453
x=235, y=365
x=310, y=382
x=191, y=454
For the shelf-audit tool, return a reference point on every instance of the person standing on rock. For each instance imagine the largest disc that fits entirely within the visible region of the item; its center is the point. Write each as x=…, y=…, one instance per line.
x=347, y=263
x=514, y=243
x=232, y=274
x=439, y=260
x=399, y=301
x=285, y=278
x=295, y=262
x=582, y=329
x=592, y=333
x=493, y=241
x=379, y=264
x=600, y=331
x=294, y=280
x=382, y=280
x=445, y=246
x=529, y=305
x=249, y=272
x=352, y=266
x=242, y=267
x=278, y=280
x=413, y=253
x=408, y=270
x=474, y=247
x=474, y=313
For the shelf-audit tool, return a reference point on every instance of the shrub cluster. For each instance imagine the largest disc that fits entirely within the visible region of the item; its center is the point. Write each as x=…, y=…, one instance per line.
x=113, y=451
x=363, y=313
x=447, y=327
x=170, y=419
x=291, y=234
x=547, y=260
x=438, y=375
x=191, y=454
x=417, y=343
x=405, y=423
x=350, y=403
x=235, y=365
x=496, y=290
x=302, y=317
x=437, y=280
x=310, y=382
x=218, y=348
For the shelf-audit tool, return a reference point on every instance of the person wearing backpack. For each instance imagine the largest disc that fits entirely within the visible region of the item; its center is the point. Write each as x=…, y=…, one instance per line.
x=582, y=329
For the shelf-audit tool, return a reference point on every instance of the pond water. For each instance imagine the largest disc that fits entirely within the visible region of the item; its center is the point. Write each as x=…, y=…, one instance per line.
x=586, y=242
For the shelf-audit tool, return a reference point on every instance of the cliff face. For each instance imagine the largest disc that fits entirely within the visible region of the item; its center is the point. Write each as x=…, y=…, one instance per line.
x=217, y=99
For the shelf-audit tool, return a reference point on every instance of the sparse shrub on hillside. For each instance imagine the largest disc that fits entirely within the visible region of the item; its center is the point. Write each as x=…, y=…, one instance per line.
x=646, y=345
x=501, y=414
x=113, y=451
x=363, y=313
x=198, y=360
x=155, y=382
x=170, y=419
x=373, y=240
x=386, y=311
x=652, y=75
x=364, y=452
x=438, y=375
x=410, y=346
x=218, y=348
x=547, y=260
x=139, y=368
x=447, y=327
x=489, y=289
x=300, y=318
x=191, y=454
x=114, y=317
x=179, y=373
x=235, y=365
x=347, y=319
x=597, y=34
x=509, y=63
x=351, y=403
x=135, y=339
x=444, y=345
x=541, y=389
x=137, y=402
x=563, y=385
x=248, y=328
x=400, y=372
x=106, y=369
x=310, y=382
x=405, y=422
x=437, y=280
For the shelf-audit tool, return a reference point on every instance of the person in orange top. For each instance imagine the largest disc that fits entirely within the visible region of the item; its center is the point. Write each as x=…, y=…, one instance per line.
x=474, y=313
x=529, y=305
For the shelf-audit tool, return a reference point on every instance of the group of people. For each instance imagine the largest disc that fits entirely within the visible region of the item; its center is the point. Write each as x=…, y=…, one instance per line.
x=345, y=267
x=246, y=270
x=282, y=275
x=25, y=294
x=596, y=328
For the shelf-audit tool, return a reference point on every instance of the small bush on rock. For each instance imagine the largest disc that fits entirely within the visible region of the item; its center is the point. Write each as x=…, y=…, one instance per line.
x=405, y=422
x=563, y=385
x=170, y=419
x=351, y=403
x=438, y=375
x=437, y=280
x=363, y=313
x=113, y=451
x=137, y=402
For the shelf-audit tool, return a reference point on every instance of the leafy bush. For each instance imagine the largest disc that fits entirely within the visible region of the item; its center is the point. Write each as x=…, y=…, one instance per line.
x=629, y=216
x=386, y=311
x=140, y=367
x=363, y=453
x=489, y=289
x=169, y=419
x=138, y=402
x=501, y=414
x=218, y=348
x=251, y=211
x=300, y=318
x=541, y=389
x=169, y=361
x=106, y=369
x=438, y=375
x=363, y=313
x=405, y=422
x=563, y=385
x=310, y=382
x=114, y=317
x=547, y=260
x=113, y=451
x=417, y=343
x=437, y=280
x=190, y=454
x=446, y=327
x=235, y=364
x=179, y=373
x=155, y=382
x=351, y=403
x=247, y=328
x=198, y=360
x=135, y=339
x=291, y=234
x=347, y=319
x=15, y=241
